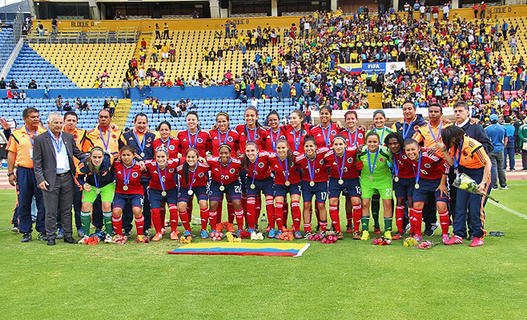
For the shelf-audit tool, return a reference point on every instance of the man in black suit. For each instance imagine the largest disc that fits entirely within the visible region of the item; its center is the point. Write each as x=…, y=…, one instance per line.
x=54, y=171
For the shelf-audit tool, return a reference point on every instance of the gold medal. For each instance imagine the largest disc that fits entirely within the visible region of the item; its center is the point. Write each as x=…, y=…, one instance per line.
x=190, y=192
x=142, y=154
x=253, y=186
x=287, y=183
x=396, y=179
x=312, y=183
x=163, y=193
x=222, y=188
x=341, y=182
x=125, y=188
x=417, y=186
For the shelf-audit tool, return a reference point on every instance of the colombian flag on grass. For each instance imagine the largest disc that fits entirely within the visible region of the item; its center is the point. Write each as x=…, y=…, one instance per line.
x=243, y=249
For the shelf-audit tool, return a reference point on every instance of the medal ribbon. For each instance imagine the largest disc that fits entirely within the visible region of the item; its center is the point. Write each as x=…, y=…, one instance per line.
x=161, y=182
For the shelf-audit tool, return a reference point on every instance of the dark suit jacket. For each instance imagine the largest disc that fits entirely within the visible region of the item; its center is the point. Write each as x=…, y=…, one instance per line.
x=44, y=159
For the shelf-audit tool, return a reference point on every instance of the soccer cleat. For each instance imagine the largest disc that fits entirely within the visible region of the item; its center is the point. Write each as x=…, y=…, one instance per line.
x=505, y=188
x=174, y=235
x=298, y=235
x=397, y=236
x=445, y=238
x=157, y=237
x=108, y=238
x=418, y=238
x=307, y=235
x=349, y=229
x=365, y=235
x=429, y=230
x=388, y=235
x=476, y=242
x=83, y=240
x=26, y=237
x=60, y=233
x=356, y=235
x=278, y=233
x=141, y=239
x=377, y=230
x=187, y=233
x=271, y=233
x=238, y=232
x=454, y=240
x=340, y=236
x=204, y=234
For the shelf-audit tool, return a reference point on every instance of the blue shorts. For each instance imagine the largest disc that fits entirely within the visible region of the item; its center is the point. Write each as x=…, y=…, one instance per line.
x=428, y=188
x=404, y=188
x=200, y=192
x=350, y=188
x=282, y=190
x=320, y=190
x=120, y=200
x=261, y=186
x=156, y=199
x=233, y=191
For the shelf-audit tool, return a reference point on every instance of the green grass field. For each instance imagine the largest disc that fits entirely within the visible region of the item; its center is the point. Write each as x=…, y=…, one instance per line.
x=347, y=280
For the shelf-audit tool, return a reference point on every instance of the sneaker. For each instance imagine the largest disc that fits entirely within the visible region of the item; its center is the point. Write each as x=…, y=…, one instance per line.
x=108, y=239
x=365, y=235
x=356, y=235
x=298, y=235
x=271, y=234
x=340, y=236
x=349, y=229
x=174, y=235
x=204, y=234
x=454, y=240
x=187, y=233
x=157, y=237
x=14, y=229
x=238, y=232
x=377, y=230
x=429, y=230
x=26, y=237
x=141, y=239
x=80, y=233
x=495, y=188
x=42, y=237
x=83, y=240
x=278, y=233
x=388, y=235
x=505, y=188
x=418, y=237
x=476, y=242
x=445, y=238
x=60, y=233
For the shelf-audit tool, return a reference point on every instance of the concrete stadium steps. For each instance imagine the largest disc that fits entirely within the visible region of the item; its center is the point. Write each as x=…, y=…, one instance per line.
x=122, y=110
x=375, y=100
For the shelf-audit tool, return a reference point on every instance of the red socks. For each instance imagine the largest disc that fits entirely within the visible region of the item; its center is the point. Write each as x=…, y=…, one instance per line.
x=163, y=214
x=212, y=219
x=357, y=216
x=183, y=215
x=270, y=209
x=230, y=210
x=285, y=214
x=239, y=219
x=278, y=209
x=156, y=219
x=335, y=219
x=416, y=221
x=140, y=225
x=117, y=225
x=323, y=226
x=399, y=218
x=445, y=222
x=204, y=215
x=250, y=214
x=296, y=214
x=172, y=209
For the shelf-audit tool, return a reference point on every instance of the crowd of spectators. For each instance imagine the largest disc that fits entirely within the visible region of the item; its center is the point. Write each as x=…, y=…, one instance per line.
x=177, y=110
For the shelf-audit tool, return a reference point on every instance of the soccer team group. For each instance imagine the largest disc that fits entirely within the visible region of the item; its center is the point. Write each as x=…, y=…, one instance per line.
x=139, y=173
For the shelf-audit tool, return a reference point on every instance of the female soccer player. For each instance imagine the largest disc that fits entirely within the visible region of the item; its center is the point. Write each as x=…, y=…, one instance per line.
x=222, y=134
x=326, y=130
x=165, y=139
x=314, y=182
x=251, y=131
x=194, y=177
x=194, y=137
x=296, y=131
x=163, y=189
x=467, y=155
x=286, y=180
x=344, y=178
x=225, y=179
x=431, y=176
x=403, y=180
x=258, y=181
x=129, y=191
x=97, y=177
x=274, y=131
x=377, y=177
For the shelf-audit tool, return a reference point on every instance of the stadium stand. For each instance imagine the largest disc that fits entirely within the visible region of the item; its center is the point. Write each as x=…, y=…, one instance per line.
x=8, y=44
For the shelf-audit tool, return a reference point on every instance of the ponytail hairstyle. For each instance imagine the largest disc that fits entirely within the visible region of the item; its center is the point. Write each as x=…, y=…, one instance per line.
x=302, y=116
x=89, y=162
x=185, y=164
x=245, y=160
x=451, y=136
x=290, y=157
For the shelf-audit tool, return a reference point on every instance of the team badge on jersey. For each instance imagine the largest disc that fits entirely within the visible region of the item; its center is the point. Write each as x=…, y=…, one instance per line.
x=135, y=175
x=232, y=171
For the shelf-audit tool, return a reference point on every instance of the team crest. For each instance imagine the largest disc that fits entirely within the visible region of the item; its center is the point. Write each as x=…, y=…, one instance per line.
x=199, y=140
x=322, y=161
x=171, y=147
x=333, y=132
x=232, y=171
x=361, y=135
x=260, y=165
x=230, y=139
x=404, y=157
x=201, y=174
x=350, y=160
x=135, y=175
x=171, y=170
x=427, y=165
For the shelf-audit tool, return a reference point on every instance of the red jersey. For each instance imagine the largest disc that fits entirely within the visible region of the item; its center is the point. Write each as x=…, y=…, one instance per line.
x=224, y=173
x=258, y=135
x=132, y=175
x=346, y=164
x=200, y=176
x=172, y=144
x=168, y=173
x=295, y=138
x=273, y=137
x=200, y=141
x=230, y=138
x=259, y=169
x=324, y=136
x=432, y=167
x=355, y=138
x=282, y=168
x=403, y=167
x=317, y=166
